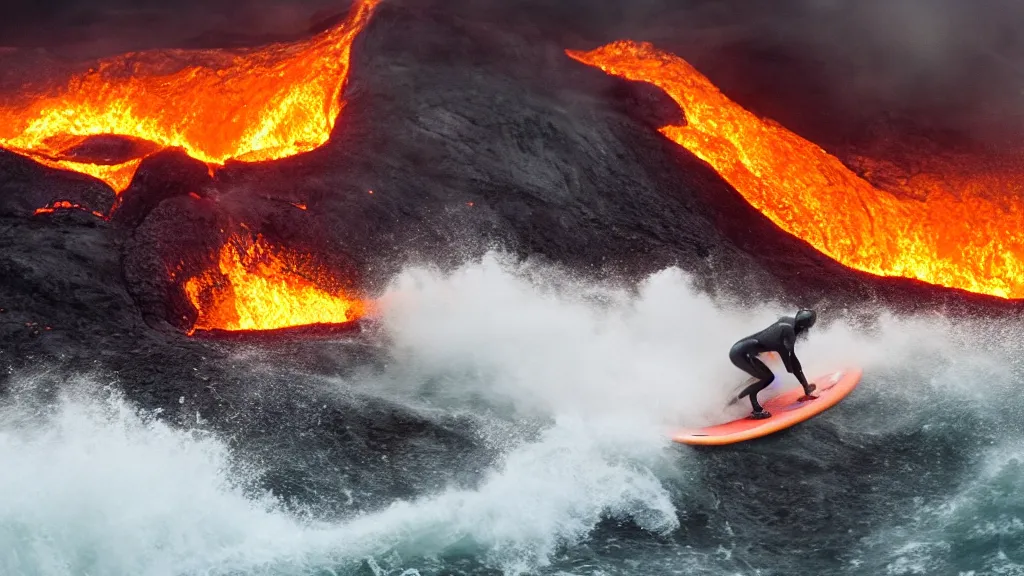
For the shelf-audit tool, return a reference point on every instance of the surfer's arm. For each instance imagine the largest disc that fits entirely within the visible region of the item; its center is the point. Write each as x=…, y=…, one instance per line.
x=790, y=360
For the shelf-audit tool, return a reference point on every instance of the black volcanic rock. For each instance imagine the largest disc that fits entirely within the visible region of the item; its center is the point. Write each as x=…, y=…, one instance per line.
x=157, y=259
x=646, y=103
x=161, y=176
x=62, y=291
x=26, y=185
x=470, y=138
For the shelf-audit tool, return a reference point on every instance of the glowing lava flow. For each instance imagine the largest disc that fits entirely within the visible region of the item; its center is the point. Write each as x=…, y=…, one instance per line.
x=67, y=205
x=258, y=287
x=959, y=239
x=252, y=105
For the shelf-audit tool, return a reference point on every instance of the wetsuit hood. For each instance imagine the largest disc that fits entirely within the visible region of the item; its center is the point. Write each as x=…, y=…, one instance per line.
x=804, y=319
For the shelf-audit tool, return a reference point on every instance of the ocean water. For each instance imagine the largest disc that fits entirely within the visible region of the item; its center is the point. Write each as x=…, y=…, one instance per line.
x=570, y=389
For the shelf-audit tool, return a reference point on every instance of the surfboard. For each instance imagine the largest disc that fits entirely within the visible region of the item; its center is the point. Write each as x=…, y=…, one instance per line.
x=786, y=410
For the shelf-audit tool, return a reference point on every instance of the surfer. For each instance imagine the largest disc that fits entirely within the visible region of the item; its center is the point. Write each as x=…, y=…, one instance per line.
x=780, y=337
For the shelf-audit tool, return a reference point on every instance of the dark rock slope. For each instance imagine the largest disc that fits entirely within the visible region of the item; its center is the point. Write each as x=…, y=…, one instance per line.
x=469, y=137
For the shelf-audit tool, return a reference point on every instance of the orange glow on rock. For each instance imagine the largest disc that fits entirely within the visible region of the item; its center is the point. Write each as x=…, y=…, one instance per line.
x=67, y=205
x=246, y=105
x=260, y=287
x=945, y=231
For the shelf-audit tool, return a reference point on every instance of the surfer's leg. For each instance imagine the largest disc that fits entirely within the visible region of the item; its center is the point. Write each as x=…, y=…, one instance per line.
x=765, y=377
x=744, y=357
x=740, y=356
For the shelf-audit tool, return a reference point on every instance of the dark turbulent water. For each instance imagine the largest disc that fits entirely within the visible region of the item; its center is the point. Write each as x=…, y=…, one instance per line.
x=547, y=400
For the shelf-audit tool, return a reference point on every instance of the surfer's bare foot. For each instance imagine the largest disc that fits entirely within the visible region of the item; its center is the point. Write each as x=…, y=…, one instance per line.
x=811, y=388
x=761, y=415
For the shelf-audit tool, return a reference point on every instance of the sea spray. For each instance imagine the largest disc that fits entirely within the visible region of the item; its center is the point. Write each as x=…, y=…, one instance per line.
x=593, y=373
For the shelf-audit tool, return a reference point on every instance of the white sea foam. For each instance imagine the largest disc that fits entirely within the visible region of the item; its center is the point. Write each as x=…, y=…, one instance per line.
x=91, y=486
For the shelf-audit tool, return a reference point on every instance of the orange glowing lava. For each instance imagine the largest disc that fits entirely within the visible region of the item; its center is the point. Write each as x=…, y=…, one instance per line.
x=247, y=105
x=66, y=205
x=948, y=232
x=259, y=287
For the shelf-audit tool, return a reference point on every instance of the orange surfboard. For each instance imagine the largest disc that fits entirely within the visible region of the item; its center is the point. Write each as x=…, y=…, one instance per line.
x=786, y=410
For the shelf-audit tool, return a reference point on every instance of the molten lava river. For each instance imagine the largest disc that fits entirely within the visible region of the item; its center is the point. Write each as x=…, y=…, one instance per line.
x=946, y=232
x=257, y=286
x=217, y=105
x=251, y=105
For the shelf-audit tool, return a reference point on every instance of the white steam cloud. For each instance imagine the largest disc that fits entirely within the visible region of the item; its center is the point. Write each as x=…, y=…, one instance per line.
x=647, y=356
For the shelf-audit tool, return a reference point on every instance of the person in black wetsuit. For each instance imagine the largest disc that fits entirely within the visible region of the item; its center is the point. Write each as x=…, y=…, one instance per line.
x=780, y=337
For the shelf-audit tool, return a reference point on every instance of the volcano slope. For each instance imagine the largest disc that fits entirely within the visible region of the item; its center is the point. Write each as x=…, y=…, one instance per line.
x=469, y=137
x=457, y=137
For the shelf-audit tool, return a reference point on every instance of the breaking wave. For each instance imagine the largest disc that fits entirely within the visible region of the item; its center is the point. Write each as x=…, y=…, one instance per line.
x=588, y=378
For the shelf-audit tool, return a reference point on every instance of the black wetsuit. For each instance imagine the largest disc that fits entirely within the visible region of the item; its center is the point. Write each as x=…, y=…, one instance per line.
x=780, y=337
